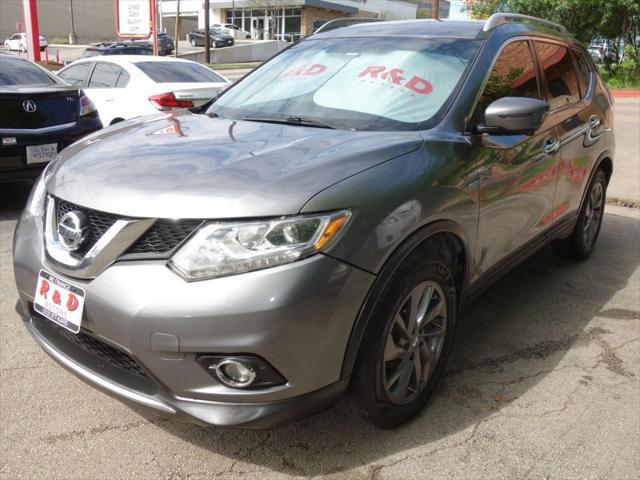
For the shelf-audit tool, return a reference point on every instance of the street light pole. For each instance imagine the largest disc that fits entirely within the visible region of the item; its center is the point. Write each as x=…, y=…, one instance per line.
x=177, y=28
x=207, y=52
x=73, y=39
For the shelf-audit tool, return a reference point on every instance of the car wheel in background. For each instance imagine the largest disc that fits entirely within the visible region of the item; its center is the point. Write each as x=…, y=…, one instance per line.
x=582, y=241
x=405, y=347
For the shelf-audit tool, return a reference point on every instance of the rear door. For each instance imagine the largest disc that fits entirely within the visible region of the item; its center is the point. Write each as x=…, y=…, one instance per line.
x=569, y=84
x=106, y=87
x=517, y=173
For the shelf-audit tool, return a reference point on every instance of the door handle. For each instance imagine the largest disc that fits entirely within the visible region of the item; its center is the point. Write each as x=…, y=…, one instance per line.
x=594, y=121
x=551, y=146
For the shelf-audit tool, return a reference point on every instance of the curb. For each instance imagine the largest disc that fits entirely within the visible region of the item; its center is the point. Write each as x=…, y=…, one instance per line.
x=626, y=93
x=623, y=202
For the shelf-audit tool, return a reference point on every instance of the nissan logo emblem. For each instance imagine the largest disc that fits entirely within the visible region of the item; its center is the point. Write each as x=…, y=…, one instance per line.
x=29, y=106
x=72, y=230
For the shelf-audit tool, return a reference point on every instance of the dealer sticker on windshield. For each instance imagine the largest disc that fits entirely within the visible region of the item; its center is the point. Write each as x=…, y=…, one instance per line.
x=59, y=301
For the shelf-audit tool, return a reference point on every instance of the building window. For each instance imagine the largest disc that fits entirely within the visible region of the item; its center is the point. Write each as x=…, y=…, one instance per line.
x=285, y=24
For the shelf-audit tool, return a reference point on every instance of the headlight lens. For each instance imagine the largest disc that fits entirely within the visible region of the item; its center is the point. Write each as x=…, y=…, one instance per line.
x=35, y=202
x=228, y=248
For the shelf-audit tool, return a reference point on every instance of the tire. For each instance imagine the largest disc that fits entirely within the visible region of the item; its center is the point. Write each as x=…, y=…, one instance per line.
x=582, y=241
x=376, y=393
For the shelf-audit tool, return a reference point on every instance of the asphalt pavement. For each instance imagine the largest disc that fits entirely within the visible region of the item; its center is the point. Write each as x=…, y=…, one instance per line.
x=543, y=383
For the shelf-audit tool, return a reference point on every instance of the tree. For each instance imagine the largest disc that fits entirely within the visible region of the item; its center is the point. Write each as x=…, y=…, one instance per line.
x=585, y=19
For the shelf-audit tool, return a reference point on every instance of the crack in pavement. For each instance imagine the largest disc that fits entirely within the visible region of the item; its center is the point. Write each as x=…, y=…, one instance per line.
x=536, y=351
x=75, y=434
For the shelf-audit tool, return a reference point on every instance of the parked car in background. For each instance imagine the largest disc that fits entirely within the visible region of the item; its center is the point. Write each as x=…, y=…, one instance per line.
x=116, y=48
x=316, y=230
x=233, y=30
x=217, y=38
x=124, y=87
x=41, y=115
x=166, y=45
x=18, y=41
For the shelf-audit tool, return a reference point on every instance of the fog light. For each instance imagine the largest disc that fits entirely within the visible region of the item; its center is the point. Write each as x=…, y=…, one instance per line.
x=234, y=373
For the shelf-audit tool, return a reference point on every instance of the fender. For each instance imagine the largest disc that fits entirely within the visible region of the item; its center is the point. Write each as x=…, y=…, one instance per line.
x=387, y=271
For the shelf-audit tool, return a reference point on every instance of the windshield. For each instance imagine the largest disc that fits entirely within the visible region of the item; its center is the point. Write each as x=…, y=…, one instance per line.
x=22, y=72
x=382, y=83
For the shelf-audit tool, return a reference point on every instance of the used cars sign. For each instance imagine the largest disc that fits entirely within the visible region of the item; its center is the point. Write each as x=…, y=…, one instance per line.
x=133, y=18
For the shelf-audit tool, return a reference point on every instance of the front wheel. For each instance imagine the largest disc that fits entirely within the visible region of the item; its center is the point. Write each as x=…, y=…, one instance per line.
x=406, y=345
x=582, y=241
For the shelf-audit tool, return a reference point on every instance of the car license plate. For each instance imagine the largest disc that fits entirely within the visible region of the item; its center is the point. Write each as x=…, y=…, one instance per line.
x=59, y=301
x=41, y=153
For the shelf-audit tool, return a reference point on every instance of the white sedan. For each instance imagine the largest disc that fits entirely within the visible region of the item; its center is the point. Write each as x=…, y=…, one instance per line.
x=18, y=41
x=127, y=86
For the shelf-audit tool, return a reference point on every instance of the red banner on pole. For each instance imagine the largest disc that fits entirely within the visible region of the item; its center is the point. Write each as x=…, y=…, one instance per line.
x=30, y=11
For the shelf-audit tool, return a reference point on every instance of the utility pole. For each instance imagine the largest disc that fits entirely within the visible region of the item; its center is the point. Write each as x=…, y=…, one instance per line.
x=177, y=32
x=233, y=12
x=436, y=9
x=73, y=38
x=207, y=52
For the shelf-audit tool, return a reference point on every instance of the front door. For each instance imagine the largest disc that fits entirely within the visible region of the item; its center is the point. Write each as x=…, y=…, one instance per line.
x=580, y=120
x=517, y=173
x=257, y=28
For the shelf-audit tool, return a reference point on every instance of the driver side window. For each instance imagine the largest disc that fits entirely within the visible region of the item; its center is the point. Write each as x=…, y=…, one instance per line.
x=513, y=75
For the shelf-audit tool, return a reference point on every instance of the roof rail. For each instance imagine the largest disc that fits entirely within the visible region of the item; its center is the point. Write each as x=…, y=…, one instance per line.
x=344, y=22
x=498, y=19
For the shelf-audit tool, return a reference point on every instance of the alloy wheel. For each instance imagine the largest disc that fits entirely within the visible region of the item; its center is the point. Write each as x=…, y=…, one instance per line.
x=414, y=342
x=593, y=213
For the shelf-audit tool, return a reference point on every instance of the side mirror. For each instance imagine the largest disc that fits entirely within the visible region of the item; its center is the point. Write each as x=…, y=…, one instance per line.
x=514, y=115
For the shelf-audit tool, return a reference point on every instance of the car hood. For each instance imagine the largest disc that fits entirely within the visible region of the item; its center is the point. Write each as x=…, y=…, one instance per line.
x=184, y=165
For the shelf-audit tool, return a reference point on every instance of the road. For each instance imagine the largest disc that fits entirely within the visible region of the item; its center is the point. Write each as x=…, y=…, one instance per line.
x=543, y=383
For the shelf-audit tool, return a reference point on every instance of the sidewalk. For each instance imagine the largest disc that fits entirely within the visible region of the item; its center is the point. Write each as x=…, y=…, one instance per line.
x=625, y=182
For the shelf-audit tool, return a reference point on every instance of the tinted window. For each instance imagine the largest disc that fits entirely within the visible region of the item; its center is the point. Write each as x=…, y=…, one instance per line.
x=22, y=72
x=560, y=76
x=584, y=73
x=123, y=79
x=513, y=75
x=105, y=75
x=178, y=72
x=75, y=74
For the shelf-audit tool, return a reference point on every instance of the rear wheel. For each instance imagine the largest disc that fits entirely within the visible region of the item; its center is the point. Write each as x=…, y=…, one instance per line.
x=581, y=243
x=406, y=345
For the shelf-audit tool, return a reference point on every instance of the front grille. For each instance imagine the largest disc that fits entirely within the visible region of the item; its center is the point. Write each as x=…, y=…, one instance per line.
x=163, y=236
x=99, y=223
x=99, y=349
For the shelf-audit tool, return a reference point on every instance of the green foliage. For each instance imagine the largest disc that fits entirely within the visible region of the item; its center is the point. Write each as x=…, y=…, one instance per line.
x=627, y=73
x=585, y=19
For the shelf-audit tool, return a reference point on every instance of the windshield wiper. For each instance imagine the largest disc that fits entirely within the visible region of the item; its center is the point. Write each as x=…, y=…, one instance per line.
x=305, y=122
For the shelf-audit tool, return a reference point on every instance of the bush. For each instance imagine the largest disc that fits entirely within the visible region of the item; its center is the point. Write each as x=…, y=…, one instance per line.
x=625, y=74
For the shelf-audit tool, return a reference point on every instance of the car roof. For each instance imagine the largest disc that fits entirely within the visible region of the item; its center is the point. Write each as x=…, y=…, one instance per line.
x=129, y=59
x=471, y=29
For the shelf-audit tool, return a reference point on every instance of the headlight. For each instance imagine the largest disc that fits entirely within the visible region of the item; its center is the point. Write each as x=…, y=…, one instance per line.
x=228, y=248
x=35, y=202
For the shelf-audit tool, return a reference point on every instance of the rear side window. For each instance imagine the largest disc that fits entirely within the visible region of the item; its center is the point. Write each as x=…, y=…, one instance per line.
x=560, y=74
x=105, y=75
x=76, y=74
x=513, y=75
x=22, y=72
x=584, y=73
x=178, y=72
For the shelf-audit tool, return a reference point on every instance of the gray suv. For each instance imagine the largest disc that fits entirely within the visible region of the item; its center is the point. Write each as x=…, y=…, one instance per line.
x=313, y=233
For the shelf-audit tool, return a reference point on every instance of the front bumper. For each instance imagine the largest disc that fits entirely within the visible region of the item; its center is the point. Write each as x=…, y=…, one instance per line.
x=13, y=158
x=298, y=317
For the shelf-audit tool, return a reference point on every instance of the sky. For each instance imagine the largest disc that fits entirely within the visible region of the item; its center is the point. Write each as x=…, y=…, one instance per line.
x=456, y=13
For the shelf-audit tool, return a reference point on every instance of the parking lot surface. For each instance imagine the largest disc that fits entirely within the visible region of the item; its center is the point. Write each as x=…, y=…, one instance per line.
x=543, y=383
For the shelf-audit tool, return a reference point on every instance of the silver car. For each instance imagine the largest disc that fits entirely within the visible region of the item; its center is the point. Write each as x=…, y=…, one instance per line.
x=313, y=232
